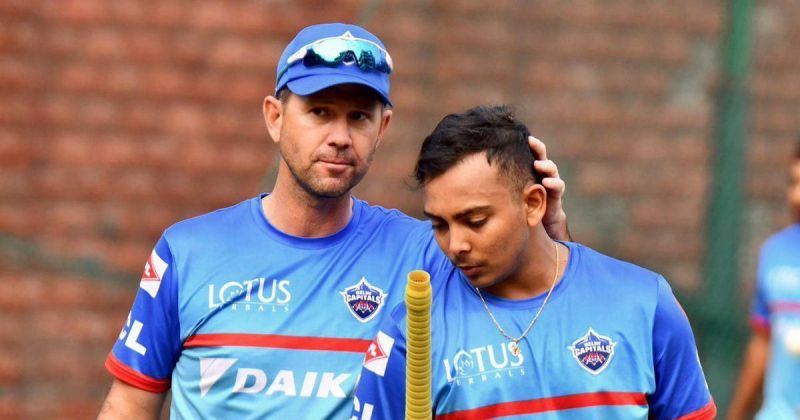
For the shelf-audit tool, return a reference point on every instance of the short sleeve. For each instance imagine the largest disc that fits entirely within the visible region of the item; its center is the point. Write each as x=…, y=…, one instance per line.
x=149, y=344
x=681, y=389
x=381, y=390
x=759, y=308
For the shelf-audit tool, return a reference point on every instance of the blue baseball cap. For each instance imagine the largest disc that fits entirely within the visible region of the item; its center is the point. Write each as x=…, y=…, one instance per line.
x=305, y=80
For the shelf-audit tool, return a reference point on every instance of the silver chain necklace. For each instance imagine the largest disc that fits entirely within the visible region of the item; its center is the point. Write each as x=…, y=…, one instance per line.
x=513, y=342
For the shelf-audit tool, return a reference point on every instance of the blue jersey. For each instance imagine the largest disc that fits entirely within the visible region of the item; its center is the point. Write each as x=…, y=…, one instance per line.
x=243, y=321
x=776, y=310
x=611, y=343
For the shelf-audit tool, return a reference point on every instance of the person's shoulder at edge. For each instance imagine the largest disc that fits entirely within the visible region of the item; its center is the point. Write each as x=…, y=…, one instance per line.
x=224, y=218
x=220, y=221
x=790, y=233
x=401, y=228
x=618, y=272
x=377, y=213
x=641, y=285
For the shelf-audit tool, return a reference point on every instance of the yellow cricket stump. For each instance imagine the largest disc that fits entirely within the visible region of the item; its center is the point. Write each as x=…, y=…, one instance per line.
x=418, y=366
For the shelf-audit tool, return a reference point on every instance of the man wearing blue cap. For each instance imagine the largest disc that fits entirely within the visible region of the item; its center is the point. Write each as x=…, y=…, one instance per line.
x=265, y=308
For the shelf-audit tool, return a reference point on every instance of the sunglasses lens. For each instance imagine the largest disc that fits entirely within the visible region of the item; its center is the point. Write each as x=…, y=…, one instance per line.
x=333, y=52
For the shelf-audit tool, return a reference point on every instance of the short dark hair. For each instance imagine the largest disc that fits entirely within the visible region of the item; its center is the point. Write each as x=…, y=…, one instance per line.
x=283, y=94
x=490, y=129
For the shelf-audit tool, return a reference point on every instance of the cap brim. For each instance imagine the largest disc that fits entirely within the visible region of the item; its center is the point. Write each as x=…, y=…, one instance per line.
x=311, y=84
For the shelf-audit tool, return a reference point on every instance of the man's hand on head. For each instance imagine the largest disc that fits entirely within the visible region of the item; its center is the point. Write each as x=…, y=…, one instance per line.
x=555, y=219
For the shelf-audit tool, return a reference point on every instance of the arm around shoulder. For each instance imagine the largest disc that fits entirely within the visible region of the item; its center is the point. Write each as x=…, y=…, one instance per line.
x=555, y=219
x=128, y=402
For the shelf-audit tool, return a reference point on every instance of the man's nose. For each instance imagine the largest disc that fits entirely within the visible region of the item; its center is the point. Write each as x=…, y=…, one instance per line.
x=339, y=134
x=459, y=244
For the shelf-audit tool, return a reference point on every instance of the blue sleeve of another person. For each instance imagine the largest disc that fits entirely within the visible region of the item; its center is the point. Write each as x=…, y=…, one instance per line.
x=381, y=390
x=759, y=310
x=681, y=389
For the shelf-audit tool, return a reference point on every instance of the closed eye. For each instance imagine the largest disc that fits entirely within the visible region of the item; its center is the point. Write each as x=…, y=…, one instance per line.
x=439, y=227
x=437, y=224
x=477, y=223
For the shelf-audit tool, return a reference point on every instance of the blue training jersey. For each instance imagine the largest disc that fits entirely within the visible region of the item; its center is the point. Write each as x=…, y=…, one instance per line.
x=243, y=321
x=776, y=311
x=611, y=343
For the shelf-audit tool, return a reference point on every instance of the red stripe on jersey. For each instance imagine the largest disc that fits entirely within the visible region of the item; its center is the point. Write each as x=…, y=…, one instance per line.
x=759, y=324
x=542, y=405
x=784, y=307
x=707, y=412
x=131, y=377
x=279, y=342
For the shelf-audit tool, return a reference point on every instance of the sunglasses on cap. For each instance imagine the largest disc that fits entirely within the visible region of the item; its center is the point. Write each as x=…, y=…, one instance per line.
x=344, y=49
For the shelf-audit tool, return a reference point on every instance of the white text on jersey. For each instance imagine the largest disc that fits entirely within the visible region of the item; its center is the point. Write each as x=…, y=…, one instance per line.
x=258, y=292
x=284, y=382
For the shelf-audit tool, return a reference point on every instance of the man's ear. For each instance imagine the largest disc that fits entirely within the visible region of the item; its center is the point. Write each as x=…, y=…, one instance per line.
x=386, y=118
x=535, y=197
x=273, y=117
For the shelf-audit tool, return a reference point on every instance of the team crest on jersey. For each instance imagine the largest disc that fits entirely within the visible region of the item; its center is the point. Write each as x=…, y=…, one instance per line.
x=593, y=351
x=154, y=270
x=364, y=300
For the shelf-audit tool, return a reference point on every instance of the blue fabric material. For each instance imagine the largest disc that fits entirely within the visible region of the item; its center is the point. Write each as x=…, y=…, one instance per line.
x=609, y=327
x=231, y=272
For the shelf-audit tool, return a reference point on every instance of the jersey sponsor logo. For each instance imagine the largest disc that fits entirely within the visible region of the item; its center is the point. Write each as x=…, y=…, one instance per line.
x=378, y=353
x=364, y=300
x=364, y=412
x=211, y=369
x=593, y=351
x=154, y=270
x=130, y=333
x=284, y=382
x=483, y=364
x=257, y=295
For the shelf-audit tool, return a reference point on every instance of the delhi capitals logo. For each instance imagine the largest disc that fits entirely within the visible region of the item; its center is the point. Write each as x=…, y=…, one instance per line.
x=593, y=351
x=364, y=300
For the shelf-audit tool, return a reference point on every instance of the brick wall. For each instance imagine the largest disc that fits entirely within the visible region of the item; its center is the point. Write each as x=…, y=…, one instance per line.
x=120, y=118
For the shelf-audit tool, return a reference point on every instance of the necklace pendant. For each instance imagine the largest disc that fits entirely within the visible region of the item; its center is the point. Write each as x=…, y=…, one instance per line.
x=514, y=347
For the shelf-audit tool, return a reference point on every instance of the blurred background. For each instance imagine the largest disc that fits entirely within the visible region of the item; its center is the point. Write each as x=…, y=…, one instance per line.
x=671, y=122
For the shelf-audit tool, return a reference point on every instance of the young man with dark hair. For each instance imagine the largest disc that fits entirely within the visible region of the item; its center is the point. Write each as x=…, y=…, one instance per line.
x=531, y=327
x=772, y=359
x=264, y=309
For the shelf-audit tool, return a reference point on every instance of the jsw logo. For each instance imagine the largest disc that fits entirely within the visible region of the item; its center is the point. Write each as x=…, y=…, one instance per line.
x=481, y=360
x=284, y=382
